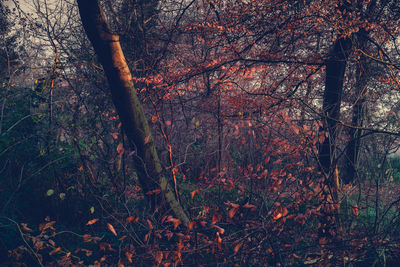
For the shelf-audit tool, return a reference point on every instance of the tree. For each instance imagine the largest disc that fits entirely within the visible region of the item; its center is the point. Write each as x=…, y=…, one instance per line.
x=129, y=108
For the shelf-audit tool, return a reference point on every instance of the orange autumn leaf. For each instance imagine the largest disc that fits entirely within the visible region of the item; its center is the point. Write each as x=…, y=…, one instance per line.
x=237, y=247
x=194, y=193
x=131, y=219
x=277, y=216
x=120, y=149
x=284, y=211
x=232, y=212
x=146, y=237
x=54, y=251
x=155, y=191
x=355, y=211
x=129, y=256
x=149, y=224
x=174, y=221
x=190, y=226
x=322, y=241
x=92, y=222
x=219, y=239
x=111, y=228
x=216, y=218
x=250, y=206
x=219, y=229
x=203, y=223
x=26, y=228
x=159, y=256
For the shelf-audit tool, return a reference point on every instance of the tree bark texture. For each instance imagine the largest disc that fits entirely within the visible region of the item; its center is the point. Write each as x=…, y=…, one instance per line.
x=335, y=71
x=130, y=111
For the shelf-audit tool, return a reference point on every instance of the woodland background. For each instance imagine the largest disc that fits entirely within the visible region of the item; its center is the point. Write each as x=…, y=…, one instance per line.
x=274, y=122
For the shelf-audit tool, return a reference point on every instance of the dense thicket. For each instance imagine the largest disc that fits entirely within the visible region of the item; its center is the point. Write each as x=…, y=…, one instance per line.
x=168, y=133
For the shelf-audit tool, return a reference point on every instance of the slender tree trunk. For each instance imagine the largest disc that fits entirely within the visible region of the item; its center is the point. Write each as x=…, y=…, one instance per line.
x=353, y=147
x=335, y=71
x=130, y=111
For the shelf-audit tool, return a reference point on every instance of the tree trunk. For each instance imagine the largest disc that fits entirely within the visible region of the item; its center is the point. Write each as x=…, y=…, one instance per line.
x=335, y=71
x=353, y=147
x=130, y=111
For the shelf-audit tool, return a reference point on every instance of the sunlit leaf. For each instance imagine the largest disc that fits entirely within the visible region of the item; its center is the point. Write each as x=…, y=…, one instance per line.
x=277, y=216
